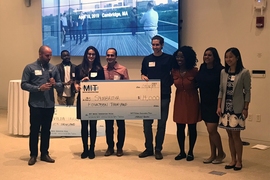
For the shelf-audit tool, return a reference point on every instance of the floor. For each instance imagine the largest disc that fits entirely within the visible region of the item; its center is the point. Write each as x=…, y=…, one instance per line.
x=66, y=151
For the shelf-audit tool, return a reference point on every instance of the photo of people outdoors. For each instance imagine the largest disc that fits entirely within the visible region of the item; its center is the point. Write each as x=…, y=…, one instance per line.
x=127, y=25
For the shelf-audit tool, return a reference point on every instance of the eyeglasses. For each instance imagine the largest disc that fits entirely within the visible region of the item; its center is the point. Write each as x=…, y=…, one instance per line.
x=91, y=54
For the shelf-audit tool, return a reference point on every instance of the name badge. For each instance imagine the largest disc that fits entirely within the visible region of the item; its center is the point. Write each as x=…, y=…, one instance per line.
x=232, y=78
x=152, y=64
x=116, y=77
x=38, y=72
x=73, y=74
x=93, y=74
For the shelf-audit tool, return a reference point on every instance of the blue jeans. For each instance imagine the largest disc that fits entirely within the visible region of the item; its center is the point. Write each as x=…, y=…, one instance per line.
x=161, y=127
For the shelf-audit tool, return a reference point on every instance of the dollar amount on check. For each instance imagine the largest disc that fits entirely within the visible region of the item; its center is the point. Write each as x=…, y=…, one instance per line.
x=120, y=99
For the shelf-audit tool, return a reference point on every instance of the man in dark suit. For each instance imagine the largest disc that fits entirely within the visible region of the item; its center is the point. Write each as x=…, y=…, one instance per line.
x=66, y=95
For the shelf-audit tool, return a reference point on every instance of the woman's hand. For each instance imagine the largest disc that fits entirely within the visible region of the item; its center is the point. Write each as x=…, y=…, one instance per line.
x=77, y=87
x=245, y=113
x=85, y=79
x=219, y=111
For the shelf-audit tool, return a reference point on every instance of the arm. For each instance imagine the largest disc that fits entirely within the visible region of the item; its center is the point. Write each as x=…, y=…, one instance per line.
x=247, y=87
x=25, y=83
x=219, y=107
x=144, y=71
x=126, y=74
x=220, y=94
x=57, y=81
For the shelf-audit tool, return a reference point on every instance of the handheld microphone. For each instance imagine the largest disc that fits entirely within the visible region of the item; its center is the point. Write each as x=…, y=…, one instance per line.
x=50, y=75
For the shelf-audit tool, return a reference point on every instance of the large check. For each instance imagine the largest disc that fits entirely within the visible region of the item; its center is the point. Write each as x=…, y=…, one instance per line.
x=120, y=99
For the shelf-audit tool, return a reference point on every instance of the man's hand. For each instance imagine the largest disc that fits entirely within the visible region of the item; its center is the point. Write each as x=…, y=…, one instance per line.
x=52, y=81
x=45, y=87
x=143, y=77
x=69, y=82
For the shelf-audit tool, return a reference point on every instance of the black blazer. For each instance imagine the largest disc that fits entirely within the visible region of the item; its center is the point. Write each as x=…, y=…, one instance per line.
x=79, y=76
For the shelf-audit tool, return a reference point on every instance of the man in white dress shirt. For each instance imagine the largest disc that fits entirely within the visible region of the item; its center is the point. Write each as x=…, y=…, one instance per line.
x=66, y=95
x=150, y=21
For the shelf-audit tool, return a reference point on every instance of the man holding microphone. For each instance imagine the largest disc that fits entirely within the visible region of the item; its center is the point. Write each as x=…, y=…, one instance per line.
x=39, y=78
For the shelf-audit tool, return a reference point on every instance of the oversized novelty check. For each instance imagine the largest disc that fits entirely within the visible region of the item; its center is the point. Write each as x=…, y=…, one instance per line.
x=120, y=99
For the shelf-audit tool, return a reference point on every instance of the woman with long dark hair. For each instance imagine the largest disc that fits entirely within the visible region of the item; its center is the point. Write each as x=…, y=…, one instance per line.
x=208, y=80
x=89, y=69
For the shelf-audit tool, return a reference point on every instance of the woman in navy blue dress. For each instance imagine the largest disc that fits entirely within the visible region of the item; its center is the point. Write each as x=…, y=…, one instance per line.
x=208, y=80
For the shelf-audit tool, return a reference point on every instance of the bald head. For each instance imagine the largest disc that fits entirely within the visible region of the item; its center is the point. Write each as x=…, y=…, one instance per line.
x=45, y=54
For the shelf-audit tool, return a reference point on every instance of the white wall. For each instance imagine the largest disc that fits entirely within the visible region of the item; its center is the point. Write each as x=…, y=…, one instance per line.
x=226, y=23
x=218, y=23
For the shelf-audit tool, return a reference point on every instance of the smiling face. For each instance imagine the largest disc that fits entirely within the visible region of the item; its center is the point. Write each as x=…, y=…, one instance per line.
x=65, y=56
x=208, y=57
x=180, y=59
x=91, y=55
x=231, y=59
x=156, y=46
x=111, y=56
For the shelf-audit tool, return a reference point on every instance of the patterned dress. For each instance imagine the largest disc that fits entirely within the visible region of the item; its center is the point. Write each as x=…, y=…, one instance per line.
x=229, y=119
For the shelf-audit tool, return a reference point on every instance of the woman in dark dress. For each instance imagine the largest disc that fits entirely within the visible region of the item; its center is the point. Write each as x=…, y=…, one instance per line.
x=208, y=81
x=89, y=69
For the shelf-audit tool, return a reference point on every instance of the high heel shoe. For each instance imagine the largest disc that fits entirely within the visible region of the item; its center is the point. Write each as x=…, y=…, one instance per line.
x=230, y=167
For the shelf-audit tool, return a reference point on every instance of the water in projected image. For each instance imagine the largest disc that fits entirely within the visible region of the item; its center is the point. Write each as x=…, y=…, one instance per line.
x=126, y=25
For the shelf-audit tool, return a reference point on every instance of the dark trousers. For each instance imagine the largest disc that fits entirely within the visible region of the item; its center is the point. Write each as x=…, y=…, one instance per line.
x=78, y=36
x=161, y=127
x=40, y=121
x=120, y=133
x=133, y=25
x=84, y=134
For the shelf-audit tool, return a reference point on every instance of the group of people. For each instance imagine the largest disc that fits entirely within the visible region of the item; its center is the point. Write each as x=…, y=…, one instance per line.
x=77, y=28
x=223, y=101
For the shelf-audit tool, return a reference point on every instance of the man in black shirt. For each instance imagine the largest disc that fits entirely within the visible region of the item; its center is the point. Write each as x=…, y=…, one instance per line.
x=157, y=66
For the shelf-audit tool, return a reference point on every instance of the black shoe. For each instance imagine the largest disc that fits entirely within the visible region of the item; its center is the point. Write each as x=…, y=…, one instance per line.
x=158, y=155
x=146, y=153
x=84, y=154
x=237, y=168
x=190, y=157
x=32, y=161
x=91, y=154
x=119, y=152
x=229, y=167
x=109, y=152
x=180, y=156
x=47, y=158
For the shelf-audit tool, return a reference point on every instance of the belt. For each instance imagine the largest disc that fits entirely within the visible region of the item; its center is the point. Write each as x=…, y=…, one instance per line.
x=151, y=30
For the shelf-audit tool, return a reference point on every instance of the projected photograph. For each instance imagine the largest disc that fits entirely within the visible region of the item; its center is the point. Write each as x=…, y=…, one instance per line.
x=127, y=25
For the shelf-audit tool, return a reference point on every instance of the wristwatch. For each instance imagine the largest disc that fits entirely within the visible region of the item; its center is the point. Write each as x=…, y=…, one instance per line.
x=38, y=89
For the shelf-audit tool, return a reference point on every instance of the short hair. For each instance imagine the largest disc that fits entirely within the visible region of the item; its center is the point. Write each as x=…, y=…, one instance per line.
x=189, y=55
x=150, y=4
x=64, y=52
x=112, y=49
x=239, y=63
x=157, y=37
x=42, y=48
